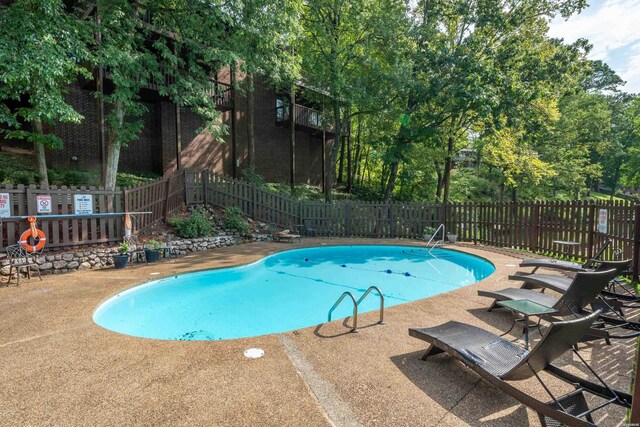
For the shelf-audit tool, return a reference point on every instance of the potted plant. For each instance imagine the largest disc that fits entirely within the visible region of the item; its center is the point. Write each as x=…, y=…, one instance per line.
x=121, y=259
x=152, y=250
x=428, y=232
x=452, y=237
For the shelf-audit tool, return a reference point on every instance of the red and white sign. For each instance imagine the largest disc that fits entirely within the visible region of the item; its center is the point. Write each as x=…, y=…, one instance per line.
x=5, y=205
x=43, y=204
x=603, y=217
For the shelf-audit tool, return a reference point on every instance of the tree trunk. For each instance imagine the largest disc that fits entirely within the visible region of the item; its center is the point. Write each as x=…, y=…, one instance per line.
x=349, y=165
x=391, y=182
x=38, y=148
x=357, y=168
x=447, y=170
x=113, y=148
x=292, y=147
x=250, y=123
x=333, y=155
x=614, y=184
x=439, y=177
x=339, y=180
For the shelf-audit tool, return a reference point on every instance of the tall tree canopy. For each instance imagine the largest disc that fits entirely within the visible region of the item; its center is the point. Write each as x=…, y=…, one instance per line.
x=42, y=50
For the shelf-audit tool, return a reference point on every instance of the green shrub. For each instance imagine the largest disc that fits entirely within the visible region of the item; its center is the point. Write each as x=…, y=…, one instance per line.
x=195, y=225
x=123, y=249
x=153, y=245
x=250, y=176
x=234, y=220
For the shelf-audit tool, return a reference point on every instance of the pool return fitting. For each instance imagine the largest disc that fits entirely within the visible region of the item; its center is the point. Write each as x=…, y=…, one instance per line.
x=355, y=306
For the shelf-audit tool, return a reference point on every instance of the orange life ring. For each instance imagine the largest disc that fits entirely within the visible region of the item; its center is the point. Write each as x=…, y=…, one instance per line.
x=36, y=233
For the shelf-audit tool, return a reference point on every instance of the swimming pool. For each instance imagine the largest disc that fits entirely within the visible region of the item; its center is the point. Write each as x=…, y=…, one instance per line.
x=286, y=291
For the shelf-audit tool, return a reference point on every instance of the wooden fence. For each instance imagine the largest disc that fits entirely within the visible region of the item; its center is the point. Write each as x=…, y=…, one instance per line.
x=162, y=197
x=529, y=226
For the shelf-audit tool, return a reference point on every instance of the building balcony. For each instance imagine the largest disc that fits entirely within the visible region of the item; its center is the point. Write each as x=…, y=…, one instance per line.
x=305, y=118
x=221, y=92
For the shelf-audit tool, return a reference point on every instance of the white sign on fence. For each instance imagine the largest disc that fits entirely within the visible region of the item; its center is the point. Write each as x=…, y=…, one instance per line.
x=83, y=204
x=603, y=217
x=5, y=205
x=43, y=204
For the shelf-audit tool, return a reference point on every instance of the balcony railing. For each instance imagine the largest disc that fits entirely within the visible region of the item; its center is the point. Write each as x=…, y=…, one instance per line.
x=305, y=117
x=222, y=92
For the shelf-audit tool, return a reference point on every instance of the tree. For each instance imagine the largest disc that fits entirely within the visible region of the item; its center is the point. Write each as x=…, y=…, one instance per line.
x=180, y=50
x=42, y=49
x=477, y=61
x=341, y=38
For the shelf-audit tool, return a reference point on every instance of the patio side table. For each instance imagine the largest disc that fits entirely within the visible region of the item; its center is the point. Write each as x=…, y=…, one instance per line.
x=526, y=308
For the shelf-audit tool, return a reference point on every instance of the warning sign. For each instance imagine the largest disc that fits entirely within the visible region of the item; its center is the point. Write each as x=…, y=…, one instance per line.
x=5, y=205
x=83, y=204
x=43, y=204
x=603, y=217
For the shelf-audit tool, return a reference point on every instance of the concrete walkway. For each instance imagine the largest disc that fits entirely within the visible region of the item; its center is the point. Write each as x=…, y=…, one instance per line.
x=58, y=368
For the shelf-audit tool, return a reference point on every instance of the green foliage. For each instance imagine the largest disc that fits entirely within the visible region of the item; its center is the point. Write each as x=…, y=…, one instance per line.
x=153, y=245
x=251, y=176
x=21, y=169
x=194, y=225
x=428, y=232
x=123, y=248
x=52, y=46
x=234, y=219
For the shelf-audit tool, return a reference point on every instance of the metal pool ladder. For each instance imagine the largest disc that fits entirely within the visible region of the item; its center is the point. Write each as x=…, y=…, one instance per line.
x=437, y=242
x=355, y=306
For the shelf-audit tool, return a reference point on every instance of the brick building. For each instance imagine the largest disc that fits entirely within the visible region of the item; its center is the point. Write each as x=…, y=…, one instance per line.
x=170, y=141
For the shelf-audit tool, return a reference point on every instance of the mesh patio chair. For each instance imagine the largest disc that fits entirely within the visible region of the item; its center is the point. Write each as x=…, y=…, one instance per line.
x=20, y=259
x=557, y=264
x=501, y=362
x=310, y=227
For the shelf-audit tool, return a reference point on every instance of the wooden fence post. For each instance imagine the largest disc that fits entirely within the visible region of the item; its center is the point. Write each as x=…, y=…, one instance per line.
x=167, y=189
x=535, y=227
x=125, y=199
x=205, y=182
x=31, y=200
x=590, y=227
x=636, y=247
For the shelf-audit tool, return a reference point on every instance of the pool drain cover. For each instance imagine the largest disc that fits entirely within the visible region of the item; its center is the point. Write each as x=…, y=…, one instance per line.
x=254, y=353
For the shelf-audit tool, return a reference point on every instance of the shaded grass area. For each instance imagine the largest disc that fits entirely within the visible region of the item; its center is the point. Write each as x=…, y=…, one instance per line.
x=16, y=168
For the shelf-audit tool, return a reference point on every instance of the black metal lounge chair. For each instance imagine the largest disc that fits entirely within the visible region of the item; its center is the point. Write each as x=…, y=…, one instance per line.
x=582, y=291
x=561, y=283
x=565, y=265
x=613, y=318
x=498, y=361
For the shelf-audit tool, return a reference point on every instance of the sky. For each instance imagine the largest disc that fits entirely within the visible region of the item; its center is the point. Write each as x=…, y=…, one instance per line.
x=613, y=28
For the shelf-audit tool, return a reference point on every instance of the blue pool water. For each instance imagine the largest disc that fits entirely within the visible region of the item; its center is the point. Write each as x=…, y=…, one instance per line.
x=285, y=291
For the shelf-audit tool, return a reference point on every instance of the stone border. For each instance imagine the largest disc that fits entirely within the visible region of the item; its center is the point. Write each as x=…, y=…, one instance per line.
x=101, y=257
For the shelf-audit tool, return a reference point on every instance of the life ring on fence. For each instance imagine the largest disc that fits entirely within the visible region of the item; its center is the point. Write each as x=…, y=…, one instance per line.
x=36, y=234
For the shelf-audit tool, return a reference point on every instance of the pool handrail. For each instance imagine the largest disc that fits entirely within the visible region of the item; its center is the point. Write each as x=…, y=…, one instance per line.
x=355, y=309
x=434, y=236
x=368, y=291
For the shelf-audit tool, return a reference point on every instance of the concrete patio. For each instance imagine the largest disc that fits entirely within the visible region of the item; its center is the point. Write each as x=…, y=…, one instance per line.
x=59, y=368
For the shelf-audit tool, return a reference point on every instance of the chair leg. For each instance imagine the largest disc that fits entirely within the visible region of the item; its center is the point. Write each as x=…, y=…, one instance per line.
x=431, y=351
x=9, y=280
x=39, y=276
